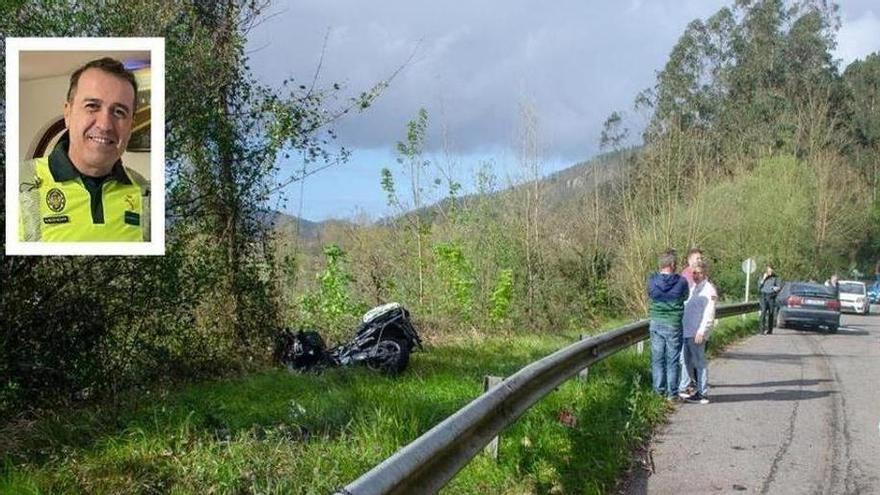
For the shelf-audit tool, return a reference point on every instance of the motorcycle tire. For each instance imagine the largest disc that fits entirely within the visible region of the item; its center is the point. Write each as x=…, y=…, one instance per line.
x=391, y=357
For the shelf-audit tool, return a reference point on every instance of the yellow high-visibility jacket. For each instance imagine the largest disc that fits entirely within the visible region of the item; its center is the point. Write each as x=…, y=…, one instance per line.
x=58, y=204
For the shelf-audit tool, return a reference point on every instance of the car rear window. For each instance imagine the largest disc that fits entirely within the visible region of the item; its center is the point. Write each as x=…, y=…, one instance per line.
x=814, y=290
x=850, y=288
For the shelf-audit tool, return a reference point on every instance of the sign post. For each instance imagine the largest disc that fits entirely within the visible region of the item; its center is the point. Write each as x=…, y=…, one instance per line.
x=748, y=267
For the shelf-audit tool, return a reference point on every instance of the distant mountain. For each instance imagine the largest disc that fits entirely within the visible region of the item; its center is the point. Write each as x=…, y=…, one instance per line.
x=581, y=178
x=581, y=174
x=293, y=225
x=556, y=189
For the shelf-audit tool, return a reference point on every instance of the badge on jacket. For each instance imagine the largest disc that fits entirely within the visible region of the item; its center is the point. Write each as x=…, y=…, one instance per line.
x=55, y=200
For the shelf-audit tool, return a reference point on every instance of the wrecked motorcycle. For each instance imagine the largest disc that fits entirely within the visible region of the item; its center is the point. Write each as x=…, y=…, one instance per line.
x=383, y=342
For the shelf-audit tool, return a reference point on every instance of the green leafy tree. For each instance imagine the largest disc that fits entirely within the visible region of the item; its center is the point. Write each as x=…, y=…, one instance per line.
x=862, y=80
x=457, y=274
x=332, y=306
x=501, y=297
x=750, y=74
x=411, y=157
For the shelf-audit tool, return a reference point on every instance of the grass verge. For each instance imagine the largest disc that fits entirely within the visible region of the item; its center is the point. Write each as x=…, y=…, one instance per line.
x=276, y=432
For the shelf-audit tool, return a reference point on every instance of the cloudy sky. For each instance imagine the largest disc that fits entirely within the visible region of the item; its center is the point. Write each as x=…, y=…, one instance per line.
x=474, y=66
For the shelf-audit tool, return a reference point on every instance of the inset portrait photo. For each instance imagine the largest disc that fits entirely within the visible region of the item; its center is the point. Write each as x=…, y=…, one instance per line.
x=85, y=122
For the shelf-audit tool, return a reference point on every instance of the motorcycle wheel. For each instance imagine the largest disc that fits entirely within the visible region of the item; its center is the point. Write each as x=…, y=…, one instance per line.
x=390, y=357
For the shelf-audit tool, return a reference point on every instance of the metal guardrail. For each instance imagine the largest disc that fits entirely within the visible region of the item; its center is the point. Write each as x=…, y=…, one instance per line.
x=430, y=461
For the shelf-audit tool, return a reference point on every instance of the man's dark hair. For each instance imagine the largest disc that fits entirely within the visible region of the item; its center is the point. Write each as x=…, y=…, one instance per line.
x=667, y=259
x=108, y=65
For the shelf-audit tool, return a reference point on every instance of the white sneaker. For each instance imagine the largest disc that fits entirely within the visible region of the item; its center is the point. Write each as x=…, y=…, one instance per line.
x=697, y=399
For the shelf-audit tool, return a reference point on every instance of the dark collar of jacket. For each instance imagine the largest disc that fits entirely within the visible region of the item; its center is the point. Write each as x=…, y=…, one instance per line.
x=63, y=170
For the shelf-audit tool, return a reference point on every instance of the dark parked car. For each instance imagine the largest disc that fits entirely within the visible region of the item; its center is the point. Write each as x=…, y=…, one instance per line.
x=804, y=304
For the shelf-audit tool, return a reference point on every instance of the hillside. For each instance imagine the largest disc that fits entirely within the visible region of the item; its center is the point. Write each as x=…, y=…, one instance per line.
x=557, y=189
x=292, y=225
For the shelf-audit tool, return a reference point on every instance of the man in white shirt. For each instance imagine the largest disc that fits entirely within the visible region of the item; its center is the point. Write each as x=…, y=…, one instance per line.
x=695, y=255
x=699, y=317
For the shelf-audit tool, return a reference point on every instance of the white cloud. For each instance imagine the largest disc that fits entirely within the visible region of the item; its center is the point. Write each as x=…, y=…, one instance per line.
x=858, y=37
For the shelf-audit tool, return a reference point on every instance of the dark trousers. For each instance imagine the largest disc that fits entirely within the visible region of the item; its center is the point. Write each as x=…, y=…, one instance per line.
x=768, y=312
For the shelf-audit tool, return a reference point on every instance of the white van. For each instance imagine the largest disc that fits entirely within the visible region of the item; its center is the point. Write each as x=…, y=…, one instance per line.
x=853, y=296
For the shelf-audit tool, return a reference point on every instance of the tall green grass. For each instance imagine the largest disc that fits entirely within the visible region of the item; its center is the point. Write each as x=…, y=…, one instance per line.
x=276, y=432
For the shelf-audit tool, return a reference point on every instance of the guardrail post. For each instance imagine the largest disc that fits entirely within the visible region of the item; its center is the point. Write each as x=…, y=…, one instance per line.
x=640, y=347
x=584, y=373
x=492, y=447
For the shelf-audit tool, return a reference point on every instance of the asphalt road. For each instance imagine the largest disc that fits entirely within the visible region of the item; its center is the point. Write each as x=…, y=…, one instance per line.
x=795, y=412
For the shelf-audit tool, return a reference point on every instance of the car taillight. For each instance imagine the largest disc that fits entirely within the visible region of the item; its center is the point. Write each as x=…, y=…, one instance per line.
x=833, y=304
x=793, y=301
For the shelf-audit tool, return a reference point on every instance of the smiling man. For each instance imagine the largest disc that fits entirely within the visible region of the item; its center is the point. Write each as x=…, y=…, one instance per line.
x=82, y=191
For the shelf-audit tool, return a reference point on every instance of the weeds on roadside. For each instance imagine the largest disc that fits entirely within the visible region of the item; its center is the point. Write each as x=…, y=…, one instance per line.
x=277, y=432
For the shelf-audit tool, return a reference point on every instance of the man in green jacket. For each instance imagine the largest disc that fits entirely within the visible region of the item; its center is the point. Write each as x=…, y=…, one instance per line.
x=667, y=291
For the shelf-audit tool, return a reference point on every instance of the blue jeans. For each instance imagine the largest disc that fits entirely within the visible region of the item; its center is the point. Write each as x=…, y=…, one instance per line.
x=693, y=358
x=665, y=353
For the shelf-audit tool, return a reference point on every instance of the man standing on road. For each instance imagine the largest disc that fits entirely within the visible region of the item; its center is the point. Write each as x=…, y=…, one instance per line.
x=833, y=282
x=667, y=291
x=699, y=317
x=695, y=255
x=768, y=287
